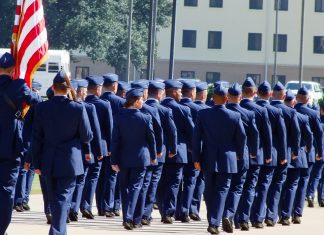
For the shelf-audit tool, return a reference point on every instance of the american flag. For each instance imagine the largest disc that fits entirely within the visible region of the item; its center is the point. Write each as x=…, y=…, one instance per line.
x=29, y=39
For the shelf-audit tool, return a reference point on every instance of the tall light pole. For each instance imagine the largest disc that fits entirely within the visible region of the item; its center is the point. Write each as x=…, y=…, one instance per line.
x=129, y=47
x=155, y=10
x=301, y=70
x=276, y=42
x=173, y=31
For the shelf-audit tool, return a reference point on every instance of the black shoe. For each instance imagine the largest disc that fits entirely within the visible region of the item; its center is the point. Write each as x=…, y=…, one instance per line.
x=87, y=214
x=237, y=226
x=296, y=220
x=137, y=225
x=155, y=206
x=68, y=220
x=146, y=221
x=269, y=222
x=109, y=214
x=185, y=219
x=244, y=226
x=285, y=222
x=101, y=213
x=167, y=220
x=117, y=212
x=212, y=230
x=258, y=225
x=195, y=217
x=49, y=218
x=19, y=208
x=128, y=225
x=227, y=225
x=26, y=207
x=310, y=202
x=73, y=216
x=321, y=203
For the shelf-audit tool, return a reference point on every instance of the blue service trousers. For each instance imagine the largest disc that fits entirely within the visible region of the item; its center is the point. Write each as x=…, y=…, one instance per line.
x=77, y=193
x=197, y=195
x=108, y=199
x=216, y=190
x=234, y=194
x=273, y=198
x=47, y=208
x=29, y=183
x=131, y=182
x=314, y=179
x=20, y=186
x=289, y=192
x=320, y=189
x=60, y=192
x=9, y=170
x=117, y=197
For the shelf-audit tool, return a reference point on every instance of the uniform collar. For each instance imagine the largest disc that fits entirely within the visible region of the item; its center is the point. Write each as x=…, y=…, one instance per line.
x=152, y=100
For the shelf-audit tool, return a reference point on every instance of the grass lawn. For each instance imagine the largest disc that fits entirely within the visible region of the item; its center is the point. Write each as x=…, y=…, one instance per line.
x=36, y=189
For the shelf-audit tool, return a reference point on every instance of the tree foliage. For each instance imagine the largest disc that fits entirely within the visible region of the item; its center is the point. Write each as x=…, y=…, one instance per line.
x=97, y=27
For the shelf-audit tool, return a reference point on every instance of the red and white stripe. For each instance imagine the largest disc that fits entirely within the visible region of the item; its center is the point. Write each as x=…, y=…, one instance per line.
x=31, y=45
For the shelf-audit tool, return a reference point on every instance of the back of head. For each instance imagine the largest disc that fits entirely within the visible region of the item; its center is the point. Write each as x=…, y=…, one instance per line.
x=264, y=90
x=220, y=95
x=248, y=88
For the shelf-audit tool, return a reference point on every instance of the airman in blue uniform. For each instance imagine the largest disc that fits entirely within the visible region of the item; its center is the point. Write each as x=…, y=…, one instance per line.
x=132, y=151
x=278, y=156
x=263, y=155
x=60, y=127
x=320, y=191
x=314, y=155
x=12, y=95
x=155, y=95
x=293, y=140
x=218, y=141
x=190, y=174
x=123, y=87
x=250, y=151
x=297, y=164
x=173, y=168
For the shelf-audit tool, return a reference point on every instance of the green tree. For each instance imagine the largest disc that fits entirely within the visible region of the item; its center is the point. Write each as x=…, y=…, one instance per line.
x=7, y=16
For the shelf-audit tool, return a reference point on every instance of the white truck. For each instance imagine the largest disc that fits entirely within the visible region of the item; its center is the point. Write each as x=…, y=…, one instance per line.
x=57, y=60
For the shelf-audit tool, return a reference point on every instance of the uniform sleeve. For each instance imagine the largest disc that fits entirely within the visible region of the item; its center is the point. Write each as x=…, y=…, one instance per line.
x=157, y=130
x=171, y=133
x=188, y=128
x=95, y=127
x=109, y=125
x=85, y=133
x=307, y=135
x=253, y=136
x=240, y=139
x=29, y=96
x=197, y=139
x=282, y=135
x=37, y=139
x=318, y=134
x=150, y=137
x=295, y=135
x=115, y=143
x=266, y=135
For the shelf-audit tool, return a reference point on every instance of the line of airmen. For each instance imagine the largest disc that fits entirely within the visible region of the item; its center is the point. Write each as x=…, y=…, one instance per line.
x=161, y=143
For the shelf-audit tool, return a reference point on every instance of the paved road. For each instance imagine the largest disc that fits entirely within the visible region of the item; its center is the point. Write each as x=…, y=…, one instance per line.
x=34, y=223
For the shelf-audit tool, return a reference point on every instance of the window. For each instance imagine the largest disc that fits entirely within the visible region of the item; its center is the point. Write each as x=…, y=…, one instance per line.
x=282, y=42
x=42, y=68
x=188, y=74
x=256, y=77
x=191, y=3
x=216, y=3
x=256, y=4
x=214, y=39
x=189, y=38
x=320, y=80
x=319, y=44
x=81, y=72
x=255, y=42
x=282, y=5
x=278, y=78
x=212, y=77
x=53, y=67
x=319, y=5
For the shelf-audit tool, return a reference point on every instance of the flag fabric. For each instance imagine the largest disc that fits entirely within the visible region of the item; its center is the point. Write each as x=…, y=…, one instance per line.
x=29, y=39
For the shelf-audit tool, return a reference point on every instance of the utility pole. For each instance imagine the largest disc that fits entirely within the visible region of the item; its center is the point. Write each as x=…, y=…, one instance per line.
x=155, y=10
x=149, y=43
x=129, y=46
x=173, y=31
x=276, y=43
x=301, y=44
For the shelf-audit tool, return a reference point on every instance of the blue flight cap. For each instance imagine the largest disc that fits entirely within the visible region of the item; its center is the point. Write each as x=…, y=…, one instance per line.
x=159, y=79
x=156, y=85
x=248, y=82
x=74, y=84
x=82, y=83
x=7, y=61
x=59, y=78
x=142, y=84
x=188, y=85
x=279, y=87
x=302, y=91
x=123, y=86
x=94, y=80
x=289, y=96
x=264, y=87
x=36, y=86
x=134, y=92
x=217, y=83
x=49, y=93
x=110, y=77
x=235, y=90
x=220, y=90
x=172, y=84
x=201, y=86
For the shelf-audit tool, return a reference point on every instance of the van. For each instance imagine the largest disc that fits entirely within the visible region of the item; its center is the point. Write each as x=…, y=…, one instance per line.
x=314, y=89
